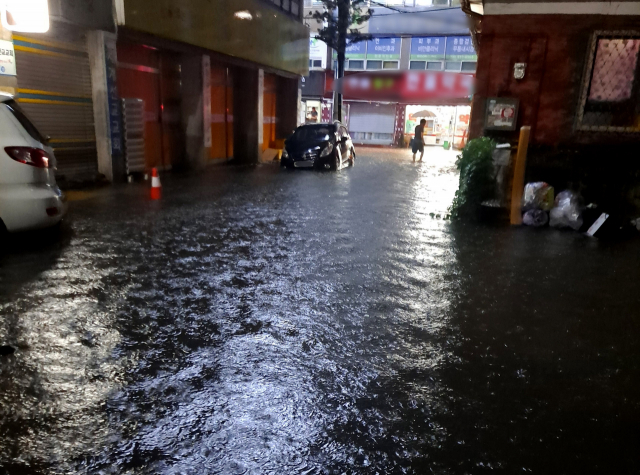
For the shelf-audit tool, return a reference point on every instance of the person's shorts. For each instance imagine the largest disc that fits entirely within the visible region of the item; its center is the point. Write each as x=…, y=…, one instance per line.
x=418, y=146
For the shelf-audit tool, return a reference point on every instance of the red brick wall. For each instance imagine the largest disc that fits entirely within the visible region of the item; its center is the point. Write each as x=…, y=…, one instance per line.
x=554, y=48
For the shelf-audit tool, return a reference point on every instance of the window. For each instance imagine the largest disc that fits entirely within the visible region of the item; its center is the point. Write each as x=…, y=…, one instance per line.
x=355, y=64
x=315, y=63
x=434, y=65
x=469, y=66
x=452, y=65
x=390, y=65
x=417, y=64
x=374, y=64
x=610, y=95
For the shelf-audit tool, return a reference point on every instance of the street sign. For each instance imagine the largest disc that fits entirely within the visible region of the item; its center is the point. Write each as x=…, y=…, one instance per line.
x=7, y=59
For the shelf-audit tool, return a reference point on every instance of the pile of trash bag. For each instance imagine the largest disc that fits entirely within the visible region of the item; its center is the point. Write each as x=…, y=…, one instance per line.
x=536, y=201
x=540, y=207
x=567, y=212
x=537, y=196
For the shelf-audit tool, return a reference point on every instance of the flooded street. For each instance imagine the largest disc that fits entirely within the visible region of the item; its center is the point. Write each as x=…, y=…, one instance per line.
x=264, y=321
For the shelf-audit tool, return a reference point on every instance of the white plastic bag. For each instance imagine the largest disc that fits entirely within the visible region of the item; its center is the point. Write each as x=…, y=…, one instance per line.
x=567, y=212
x=537, y=195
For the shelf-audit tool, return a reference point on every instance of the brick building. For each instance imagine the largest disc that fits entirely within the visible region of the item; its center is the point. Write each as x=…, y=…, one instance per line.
x=580, y=92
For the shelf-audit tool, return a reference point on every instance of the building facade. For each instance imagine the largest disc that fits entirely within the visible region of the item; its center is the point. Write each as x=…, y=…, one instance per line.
x=124, y=86
x=573, y=70
x=407, y=35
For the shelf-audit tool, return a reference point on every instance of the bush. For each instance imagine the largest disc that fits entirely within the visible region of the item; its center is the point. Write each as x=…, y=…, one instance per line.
x=476, y=177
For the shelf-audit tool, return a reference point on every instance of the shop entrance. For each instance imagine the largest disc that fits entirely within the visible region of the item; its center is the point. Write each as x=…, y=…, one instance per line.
x=154, y=76
x=221, y=113
x=448, y=124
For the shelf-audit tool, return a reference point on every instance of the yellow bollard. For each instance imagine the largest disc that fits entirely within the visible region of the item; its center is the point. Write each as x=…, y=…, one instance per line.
x=517, y=189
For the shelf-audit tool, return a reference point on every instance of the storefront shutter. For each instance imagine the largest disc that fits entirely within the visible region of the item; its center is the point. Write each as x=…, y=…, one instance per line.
x=372, y=123
x=54, y=89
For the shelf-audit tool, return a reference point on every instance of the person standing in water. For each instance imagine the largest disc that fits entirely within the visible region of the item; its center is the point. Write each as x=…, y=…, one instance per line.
x=418, y=140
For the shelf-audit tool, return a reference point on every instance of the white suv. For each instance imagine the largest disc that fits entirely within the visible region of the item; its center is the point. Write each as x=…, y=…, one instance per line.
x=29, y=196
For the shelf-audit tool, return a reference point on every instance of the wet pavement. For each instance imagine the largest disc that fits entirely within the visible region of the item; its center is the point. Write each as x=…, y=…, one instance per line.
x=264, y=321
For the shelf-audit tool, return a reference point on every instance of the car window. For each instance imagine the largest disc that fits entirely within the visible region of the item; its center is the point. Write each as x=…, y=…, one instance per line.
x=24, y=121
x=312, y=133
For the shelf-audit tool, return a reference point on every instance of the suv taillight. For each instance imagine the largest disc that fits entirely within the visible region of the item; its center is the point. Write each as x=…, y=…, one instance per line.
x=36, y=157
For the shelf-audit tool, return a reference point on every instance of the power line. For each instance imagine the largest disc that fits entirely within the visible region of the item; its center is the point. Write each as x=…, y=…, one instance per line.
x=431, y=10
x=404, y=12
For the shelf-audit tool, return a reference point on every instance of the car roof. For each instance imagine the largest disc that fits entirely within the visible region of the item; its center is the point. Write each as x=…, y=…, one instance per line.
x=321, y=124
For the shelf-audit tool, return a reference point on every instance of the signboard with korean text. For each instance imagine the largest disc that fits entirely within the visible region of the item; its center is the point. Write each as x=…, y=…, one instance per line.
x=384, y=48
x=354, y=51
x=428, y=48
x=7, y=59
x=318, y=51
x=501, y=113
x=113, y=98
x=407, y=86
x=460, y=48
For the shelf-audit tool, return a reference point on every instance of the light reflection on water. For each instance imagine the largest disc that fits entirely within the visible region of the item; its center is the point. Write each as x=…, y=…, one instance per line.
x=260, y=321
x=256, y=333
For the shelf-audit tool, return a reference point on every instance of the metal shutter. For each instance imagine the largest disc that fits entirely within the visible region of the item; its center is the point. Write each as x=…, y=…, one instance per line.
x=54, y=80
x=372, y=123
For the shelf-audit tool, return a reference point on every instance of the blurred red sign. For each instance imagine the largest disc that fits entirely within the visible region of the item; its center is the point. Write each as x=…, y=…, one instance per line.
x=407, y=86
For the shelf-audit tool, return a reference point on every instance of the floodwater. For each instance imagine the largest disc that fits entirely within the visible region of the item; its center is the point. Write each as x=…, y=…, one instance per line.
x=263, y=321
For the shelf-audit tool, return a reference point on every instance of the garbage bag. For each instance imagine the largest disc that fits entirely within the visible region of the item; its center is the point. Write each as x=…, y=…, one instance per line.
x=535, y=217
x=567, y=212
x=537, y=195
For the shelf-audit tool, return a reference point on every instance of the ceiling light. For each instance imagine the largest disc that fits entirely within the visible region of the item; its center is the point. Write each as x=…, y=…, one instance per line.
x=30, y=16
x=243, y=15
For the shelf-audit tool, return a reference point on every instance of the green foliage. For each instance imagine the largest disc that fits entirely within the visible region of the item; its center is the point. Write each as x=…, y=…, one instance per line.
x=476, y=177
x=340, y=20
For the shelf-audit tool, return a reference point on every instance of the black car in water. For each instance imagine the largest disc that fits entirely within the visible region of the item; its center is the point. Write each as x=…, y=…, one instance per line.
x=321, y=146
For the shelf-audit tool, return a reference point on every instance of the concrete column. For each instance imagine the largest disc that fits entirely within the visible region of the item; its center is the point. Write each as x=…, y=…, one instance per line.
x=193, y=111
x=100, y=94
x=287, y=106
x=248, y=92
x=8, y=84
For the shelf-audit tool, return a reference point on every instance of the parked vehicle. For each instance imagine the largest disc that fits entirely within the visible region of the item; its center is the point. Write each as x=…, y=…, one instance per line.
x=29, y=196
x=320, y=146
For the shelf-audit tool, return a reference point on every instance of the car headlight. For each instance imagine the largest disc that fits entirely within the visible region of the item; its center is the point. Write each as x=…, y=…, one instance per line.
x=327, y=150
x=285, y=154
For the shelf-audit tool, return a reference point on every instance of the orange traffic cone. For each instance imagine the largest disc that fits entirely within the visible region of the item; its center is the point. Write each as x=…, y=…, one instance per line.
x=156, y=188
